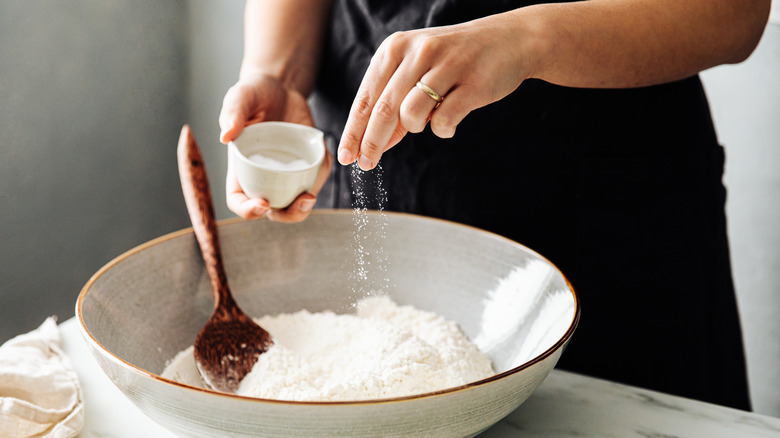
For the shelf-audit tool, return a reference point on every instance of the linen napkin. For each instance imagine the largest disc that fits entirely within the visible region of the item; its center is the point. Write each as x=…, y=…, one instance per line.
x=40, y=393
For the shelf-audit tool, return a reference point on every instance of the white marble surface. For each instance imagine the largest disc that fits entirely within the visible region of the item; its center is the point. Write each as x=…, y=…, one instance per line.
x=566, y=405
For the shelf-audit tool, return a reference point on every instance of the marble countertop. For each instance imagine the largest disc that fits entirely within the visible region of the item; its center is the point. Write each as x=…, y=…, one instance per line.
x=566, y=405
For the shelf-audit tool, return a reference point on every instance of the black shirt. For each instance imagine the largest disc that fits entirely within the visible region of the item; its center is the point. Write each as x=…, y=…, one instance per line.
x=621, y=189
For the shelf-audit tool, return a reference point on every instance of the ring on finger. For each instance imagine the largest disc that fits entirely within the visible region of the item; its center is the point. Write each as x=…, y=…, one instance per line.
x=429, y=91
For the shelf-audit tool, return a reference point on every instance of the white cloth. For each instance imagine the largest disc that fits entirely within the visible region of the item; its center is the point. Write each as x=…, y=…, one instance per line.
x=40, y=394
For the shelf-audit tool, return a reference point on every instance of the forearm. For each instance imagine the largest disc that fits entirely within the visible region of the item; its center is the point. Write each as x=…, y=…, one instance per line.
x=622, y=43
x=283, y=38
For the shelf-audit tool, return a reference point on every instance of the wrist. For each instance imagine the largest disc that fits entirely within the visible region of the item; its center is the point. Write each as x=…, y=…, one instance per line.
x=292, y=75
x=537, y=35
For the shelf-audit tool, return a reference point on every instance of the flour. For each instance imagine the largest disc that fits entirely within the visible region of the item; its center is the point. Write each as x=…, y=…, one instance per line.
x=384, y=350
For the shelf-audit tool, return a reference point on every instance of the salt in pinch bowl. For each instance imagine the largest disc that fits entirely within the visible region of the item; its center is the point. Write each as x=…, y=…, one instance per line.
x=148, y=304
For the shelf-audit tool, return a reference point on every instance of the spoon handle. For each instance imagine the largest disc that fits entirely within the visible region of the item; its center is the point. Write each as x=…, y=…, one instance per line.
x=197, y=196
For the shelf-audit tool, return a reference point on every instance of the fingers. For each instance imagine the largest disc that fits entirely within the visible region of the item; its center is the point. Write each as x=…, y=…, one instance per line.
x=295, y=212
x=388, y=104
x=238, y=202
x=255, y=99
x=304, y=203
x=253, y=208
x=374, y=123
x=367, y=104
x=385, y=127
x=459, y=102
x=250, y=208
x=418, y=106
x=416, y=110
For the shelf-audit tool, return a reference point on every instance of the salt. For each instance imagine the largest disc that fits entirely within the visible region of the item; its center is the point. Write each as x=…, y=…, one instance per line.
x=279, y=160
x=368, y=187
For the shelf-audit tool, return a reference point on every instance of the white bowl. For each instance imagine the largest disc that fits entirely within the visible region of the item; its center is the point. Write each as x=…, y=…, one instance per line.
x=142, y=308
x=277, y=161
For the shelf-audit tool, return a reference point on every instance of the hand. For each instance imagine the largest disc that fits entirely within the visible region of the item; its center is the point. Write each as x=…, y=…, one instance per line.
x=470, y=65
x=263, y=98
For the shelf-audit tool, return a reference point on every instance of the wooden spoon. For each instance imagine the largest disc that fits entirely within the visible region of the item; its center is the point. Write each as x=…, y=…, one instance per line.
x=229, y=344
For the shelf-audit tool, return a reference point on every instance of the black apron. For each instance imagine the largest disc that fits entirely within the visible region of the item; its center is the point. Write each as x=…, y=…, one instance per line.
x=621, y=189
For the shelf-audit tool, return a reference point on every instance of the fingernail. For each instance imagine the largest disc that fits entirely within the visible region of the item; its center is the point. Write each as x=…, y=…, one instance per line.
x=345, y=157
x=223, y=133
x=258, y=211
x=228, y=129
x=365, y=163
x=307, y=205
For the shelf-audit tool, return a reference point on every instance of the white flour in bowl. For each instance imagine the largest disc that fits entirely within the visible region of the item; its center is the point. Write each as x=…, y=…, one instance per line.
x=385, y=350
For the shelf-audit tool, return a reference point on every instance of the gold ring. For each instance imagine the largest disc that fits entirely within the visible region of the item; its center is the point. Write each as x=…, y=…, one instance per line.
x=429, y=91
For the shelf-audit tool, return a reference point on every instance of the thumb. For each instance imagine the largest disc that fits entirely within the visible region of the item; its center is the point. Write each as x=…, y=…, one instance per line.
x=235, y=112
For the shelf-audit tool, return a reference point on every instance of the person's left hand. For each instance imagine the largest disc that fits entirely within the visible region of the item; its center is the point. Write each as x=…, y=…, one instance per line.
x=469, y=65
x=256, y=98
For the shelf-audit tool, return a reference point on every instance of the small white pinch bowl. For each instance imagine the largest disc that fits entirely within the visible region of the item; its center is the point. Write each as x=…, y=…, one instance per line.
x=279, y=185
x=148, y=304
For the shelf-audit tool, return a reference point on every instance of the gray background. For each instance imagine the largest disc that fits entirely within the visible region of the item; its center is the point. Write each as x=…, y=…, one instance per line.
x=93, y=95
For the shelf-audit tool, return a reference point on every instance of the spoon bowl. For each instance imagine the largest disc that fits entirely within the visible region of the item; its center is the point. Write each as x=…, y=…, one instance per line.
x=228, y=345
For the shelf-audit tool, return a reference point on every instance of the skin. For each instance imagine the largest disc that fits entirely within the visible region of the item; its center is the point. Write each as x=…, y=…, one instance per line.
x=596, y=43
x=273, y=84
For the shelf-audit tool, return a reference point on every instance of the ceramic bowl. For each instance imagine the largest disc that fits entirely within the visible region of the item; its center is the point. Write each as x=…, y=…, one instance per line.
x=277, y=161
x=142, y=308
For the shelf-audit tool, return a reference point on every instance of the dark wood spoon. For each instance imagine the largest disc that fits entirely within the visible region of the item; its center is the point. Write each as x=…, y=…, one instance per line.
x=229, y=344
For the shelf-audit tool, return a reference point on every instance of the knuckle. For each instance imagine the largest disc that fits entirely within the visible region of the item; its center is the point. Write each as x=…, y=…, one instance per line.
x=241, y=89
x=413, y=125
x=395, y=41
x=391, y=50
x=413, y=116
x=462, y=57
x=443, y=123
x=233, y=97
x=414, y=108
x=231, y=93
x=428, y=47
x=237, y=87
x=475, y=93
x=383, y=111
x=350, y=139
x=370, y=148
x=362, y=105
x=442, y=118
x=388, y=49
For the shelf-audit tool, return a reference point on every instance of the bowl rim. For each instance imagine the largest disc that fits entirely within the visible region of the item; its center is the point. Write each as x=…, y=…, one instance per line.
x=87, y=335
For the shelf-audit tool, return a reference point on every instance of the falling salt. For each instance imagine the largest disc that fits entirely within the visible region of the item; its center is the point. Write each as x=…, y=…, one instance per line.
x=368, y=188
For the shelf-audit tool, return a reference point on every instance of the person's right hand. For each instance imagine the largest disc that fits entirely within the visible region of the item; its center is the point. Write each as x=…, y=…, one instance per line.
x=256, y=99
